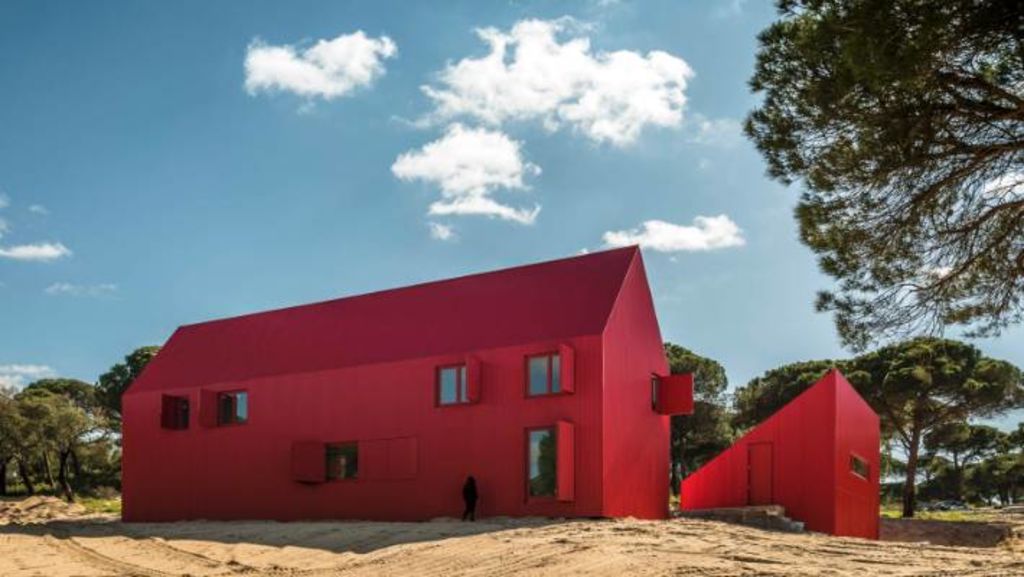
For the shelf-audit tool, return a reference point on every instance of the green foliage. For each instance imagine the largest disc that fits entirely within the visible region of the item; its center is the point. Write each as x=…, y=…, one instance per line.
x=904, y=122
x=765, y=395
x=116, y=381
x=698, y=437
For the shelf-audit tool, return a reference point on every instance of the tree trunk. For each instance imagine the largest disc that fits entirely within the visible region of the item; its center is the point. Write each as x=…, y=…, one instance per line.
x=3, y=478
x=678, y=451
x=62, y=474
x=910, y=482
x=26, y=478
x=49, y=471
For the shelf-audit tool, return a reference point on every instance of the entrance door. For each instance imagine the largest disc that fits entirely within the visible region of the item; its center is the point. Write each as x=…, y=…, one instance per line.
x=759, y=470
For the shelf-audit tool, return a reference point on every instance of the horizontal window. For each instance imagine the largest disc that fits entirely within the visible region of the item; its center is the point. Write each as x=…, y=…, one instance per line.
x=451, y=385
x=859, y=467
x=233, y=408
x=342, y=461
x=543, y=375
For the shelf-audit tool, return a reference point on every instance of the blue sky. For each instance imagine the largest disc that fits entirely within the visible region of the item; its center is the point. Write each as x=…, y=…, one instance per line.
x=167, y=163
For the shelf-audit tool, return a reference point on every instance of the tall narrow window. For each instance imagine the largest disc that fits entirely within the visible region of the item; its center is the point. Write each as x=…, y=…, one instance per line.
x=542, y=457
x=342, y=461
x=451, y=385
x=544, y=374
x=232, y=408
x=174, y=413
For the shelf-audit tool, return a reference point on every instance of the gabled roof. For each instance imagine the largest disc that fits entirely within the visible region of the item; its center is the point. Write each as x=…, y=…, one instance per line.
x=539, y=302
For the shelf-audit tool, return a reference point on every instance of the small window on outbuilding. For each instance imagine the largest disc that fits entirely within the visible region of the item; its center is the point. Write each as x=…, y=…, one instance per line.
x=342, y=461
x=452, y=385
x=233, y=408
x=544, y=375
x=174, y=412
x=859, y=467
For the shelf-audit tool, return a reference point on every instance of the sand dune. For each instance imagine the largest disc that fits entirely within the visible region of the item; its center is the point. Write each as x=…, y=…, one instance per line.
x=101, y=546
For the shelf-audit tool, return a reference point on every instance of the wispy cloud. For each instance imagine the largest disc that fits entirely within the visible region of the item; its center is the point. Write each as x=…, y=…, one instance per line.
x=80, y=290
x=545, y=70
x=721, y=132
x=39, y=252
x=441, y=231
x=329, y=69
x=469, y=165
x=38, y=209
x=705, y=234
x=17, y=376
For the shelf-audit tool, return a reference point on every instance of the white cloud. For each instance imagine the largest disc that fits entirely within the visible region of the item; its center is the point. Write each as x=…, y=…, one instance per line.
x=40, y=252
x=78, y=290
x=17, y=376
x=38, y=209
x=722, y=132
x=441, y=231
x=329, y=69
x=529, y=74
x=5, y=201
x=470, y=164
x=706, y=233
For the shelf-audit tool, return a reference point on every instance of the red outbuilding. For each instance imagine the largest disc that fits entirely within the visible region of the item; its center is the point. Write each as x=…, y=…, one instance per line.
x=818, y=457
x=540, y=381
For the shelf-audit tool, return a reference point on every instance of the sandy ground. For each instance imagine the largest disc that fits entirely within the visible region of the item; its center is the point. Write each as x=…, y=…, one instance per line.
x=48, y=539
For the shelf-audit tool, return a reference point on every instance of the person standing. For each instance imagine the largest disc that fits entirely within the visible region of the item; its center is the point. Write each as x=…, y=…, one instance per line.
x=469, y=496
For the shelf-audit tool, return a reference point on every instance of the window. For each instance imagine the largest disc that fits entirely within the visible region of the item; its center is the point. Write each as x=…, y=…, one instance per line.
x=174, y=414
x=543, y=374
x=232, y=408
x=342, y=461
x=542, y=462
x=451, y=385
x=859, y=467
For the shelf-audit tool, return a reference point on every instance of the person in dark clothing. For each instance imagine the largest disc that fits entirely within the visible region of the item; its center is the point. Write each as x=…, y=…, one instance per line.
x=469, y=495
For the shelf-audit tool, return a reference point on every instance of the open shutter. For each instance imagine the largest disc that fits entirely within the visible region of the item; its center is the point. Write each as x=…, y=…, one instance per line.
x=675, y=394
x=473, y=379
x=309, y=462
x=568, y=368
x=167, y=406
x=565, y=438
x=208, y=408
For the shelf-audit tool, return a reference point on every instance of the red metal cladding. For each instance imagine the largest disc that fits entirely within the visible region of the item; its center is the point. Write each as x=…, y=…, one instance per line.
x=818, y=457
x=675, y=394
x=359, y=377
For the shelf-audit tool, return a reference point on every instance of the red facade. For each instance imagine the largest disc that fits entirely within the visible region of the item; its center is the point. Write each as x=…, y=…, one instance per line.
x=818, y=457
x=379, y=406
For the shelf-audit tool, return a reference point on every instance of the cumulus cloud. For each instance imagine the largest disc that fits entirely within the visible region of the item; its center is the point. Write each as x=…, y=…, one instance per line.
x=329, y=69
x=469, y=165
x=545, y=70
x=79, y=290
x=441, y=231
x=16, y=376
x=705, y=234
x=39, y=252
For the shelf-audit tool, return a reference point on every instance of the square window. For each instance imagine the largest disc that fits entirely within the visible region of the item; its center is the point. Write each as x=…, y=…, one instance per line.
x=544, y=375
x=232, y=408
x=451, y=385
x=859, y=467
x=542, y=457
x=174, y=413
x=342, y=461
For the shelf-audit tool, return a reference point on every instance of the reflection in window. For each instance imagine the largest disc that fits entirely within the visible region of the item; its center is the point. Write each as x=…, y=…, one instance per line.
x=542, y=463
x=859, y=466
x=342, y=461
x=544, y=374
x=451, y=385
x=232, y=408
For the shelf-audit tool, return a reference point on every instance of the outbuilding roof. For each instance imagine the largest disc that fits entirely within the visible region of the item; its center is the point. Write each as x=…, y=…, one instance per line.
x=539, y=302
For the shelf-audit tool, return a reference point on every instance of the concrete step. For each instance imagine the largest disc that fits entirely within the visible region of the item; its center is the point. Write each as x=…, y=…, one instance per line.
x=772, y=517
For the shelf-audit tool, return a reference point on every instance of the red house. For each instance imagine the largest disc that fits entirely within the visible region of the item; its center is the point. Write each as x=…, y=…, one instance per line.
x=541, y=381
x=818, y=457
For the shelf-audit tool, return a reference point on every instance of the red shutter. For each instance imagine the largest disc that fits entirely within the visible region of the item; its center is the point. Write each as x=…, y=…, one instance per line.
x=565, y=437
x=373, y=459
x=168, y=405
x=402, y=458
x=568, y=367
x=208, y=408
x=474, y=375
x=309, y=462
x=675, y=394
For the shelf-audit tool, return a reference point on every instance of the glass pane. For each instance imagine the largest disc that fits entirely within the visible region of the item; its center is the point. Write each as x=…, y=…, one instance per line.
x=556, y=374
x=225, y=409
x=448, y=392
x=463, y=393
x=538, y=375
x=342, y=461
x=542, y=463
x=241, y=407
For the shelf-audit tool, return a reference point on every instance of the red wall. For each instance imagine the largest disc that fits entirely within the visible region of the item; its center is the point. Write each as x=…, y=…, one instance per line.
x=811, y=437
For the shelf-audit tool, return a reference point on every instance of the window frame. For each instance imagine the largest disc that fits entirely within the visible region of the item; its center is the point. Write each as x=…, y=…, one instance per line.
x=461, y=385
x=178, y=424
x=550, y=355
x=233, y=422
x=854, y=457
x=327, y=469
x=529, y=497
